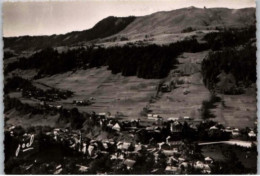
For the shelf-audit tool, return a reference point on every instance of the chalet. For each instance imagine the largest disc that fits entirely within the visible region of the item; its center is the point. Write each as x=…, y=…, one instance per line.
x=152, y=150
x=102, y=114
x=208, y=160
x=138, y=147
x=11, y=128
x=171, y=170
x=176, y=128
x=168, y=153
x=123, y=145
x=110, y=124
x=117, y=156
x=129, y=163
x=199, y=165
x=113, y=157
x=82, y=168
x=172, y=161
x=180, y=159
x=173, y=119
x=235, y=132
x=251, y=134
x=91, y=150
x=149, y=129
x=187, y=118
x=228, y=129
x=59, y=107
x=154, y=117
x=213, y=128
x=116, y=127
x=135, y=123
x=206, y=169
x=105, y=145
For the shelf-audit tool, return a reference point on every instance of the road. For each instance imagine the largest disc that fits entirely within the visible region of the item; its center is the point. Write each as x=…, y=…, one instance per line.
x=246, y=144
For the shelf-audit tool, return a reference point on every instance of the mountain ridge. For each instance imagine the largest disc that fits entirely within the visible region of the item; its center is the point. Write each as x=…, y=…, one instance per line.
x=163, y=22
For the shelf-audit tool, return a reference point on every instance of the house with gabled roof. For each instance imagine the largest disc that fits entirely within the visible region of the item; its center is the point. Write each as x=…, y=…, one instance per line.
x=129, y=163
x=116, y=127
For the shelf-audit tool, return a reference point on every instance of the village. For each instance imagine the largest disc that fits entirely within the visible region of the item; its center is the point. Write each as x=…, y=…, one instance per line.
x=172, y=145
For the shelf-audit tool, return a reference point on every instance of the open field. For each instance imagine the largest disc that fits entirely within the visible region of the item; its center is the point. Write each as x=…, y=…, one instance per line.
x=129, y=95
x=176, y=103
x=239, y=110
x=113, y=93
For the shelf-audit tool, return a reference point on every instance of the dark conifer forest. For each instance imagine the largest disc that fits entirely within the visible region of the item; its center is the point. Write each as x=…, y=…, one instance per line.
x=234, y=53
x=148, y=62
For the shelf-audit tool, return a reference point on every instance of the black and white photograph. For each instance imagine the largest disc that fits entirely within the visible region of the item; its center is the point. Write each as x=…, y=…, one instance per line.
x=160, y=87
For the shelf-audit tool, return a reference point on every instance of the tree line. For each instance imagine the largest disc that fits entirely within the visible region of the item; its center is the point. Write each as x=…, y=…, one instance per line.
x=151, y=61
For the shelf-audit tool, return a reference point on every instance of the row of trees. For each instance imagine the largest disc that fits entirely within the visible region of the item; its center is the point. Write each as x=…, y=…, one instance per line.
x=207, y=105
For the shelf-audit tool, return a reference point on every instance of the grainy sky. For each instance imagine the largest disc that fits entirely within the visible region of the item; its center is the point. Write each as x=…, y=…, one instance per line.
x=56, y=17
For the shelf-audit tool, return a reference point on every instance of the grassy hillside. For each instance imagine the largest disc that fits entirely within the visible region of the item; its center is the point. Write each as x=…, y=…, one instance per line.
x=159, y=26
x=177, y=21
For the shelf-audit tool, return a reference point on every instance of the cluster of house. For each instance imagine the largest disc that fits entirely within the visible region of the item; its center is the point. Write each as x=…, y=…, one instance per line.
x=157, y=117
x=234, y=132
x=83, y=102
x=237, y=132
x=124, y=152
x=41, y=95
